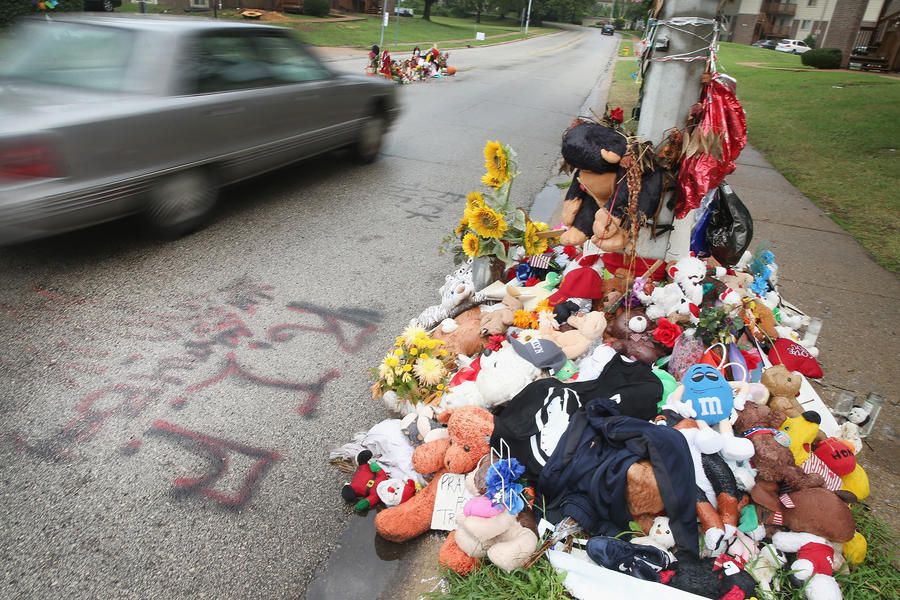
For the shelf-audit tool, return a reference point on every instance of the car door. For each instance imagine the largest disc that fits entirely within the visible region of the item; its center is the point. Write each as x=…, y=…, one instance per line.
x=317, y=108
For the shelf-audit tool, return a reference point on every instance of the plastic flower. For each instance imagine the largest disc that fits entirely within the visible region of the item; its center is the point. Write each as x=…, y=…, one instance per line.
x=501, y=486
x=617, y=115
x=429, y=371
x=534, y=246
x=487, y=222
x=470, y=245
x=496, y=163
x=411, y=334
x=524, y=319
x=666, y=332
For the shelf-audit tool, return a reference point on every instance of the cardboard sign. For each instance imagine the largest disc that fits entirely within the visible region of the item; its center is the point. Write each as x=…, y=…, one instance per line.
x=449, y=502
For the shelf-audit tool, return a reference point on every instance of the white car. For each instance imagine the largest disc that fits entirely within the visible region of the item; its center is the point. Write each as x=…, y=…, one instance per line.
x=792, y=46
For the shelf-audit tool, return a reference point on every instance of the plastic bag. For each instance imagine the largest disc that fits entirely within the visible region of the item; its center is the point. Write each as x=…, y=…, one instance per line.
x=730, y=227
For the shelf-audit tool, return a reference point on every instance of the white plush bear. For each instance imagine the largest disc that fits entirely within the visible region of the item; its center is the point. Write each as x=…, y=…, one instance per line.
x=503, y=374
x=660, y=536
x=681, y=297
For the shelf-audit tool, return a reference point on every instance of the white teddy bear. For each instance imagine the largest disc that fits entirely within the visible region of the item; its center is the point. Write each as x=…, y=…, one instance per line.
x=503, y=374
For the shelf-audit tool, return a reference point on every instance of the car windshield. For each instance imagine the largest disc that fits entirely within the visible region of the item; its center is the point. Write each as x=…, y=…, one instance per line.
x=68, y=54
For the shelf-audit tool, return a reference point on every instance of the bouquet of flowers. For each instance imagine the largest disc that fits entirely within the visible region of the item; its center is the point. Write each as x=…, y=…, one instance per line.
x=416, y=370
x=489, y=225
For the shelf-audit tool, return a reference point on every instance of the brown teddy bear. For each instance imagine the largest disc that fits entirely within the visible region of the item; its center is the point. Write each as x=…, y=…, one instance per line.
x=783, y=386
x=497, y=321
x=464, y=336
x=469, y=430
x=816, y=510
x=760, y=320
x=631, y=334
x=588, y=328
x=773, y=461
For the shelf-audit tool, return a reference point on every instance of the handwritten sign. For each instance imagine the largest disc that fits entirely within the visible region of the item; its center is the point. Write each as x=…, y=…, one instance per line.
x=451, y=497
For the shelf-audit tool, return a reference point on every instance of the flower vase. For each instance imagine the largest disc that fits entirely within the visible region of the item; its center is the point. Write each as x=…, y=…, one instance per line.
x=485, y=271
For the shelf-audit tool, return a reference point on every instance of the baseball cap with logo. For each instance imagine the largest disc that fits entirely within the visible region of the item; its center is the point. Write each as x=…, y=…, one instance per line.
x=543, y=354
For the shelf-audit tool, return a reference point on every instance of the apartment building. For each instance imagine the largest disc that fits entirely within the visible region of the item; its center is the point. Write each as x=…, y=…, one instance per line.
x=749, y=20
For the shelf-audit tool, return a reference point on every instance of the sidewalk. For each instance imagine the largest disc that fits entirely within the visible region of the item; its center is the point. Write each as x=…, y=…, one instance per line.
x=827, y=274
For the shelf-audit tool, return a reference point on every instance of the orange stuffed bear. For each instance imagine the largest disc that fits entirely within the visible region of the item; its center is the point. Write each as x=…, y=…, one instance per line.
x=469, y=429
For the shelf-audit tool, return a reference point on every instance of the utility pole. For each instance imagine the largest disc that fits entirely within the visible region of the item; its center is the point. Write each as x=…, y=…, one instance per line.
x=670, y=89
x=528, y=17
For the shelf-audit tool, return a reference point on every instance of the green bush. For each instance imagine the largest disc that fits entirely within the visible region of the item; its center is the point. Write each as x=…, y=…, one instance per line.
x=619, y=23
x=11, y=9
x=316, y=8
x=810, y=41
x=822, y=58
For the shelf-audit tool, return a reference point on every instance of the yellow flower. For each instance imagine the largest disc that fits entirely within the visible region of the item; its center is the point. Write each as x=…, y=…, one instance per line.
x=391, y=361
x=474, y=200
x=463, y=223
x=423, y=355
x=407, y=368
x=487, y=222
x=440, y=386
x=398, y=341
x=470, y=245
x=534, y=246
x=496, y=163
x=411, y=334
x=442, y=352
x=429, y=371
x=398, y=352
x=413, y=351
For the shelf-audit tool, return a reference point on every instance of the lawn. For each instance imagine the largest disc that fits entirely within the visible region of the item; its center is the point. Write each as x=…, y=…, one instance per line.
x=624, y=89
x=833, y=134
x=447, y=32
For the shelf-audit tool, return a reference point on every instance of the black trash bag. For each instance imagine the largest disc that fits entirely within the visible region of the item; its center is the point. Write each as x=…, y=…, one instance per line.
x=730, y=228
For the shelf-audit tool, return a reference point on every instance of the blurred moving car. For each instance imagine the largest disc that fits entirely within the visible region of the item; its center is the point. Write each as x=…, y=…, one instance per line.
x=608, y=29
x=103, y=5
x=792, y=46
x=153, y=115
x=767, y=44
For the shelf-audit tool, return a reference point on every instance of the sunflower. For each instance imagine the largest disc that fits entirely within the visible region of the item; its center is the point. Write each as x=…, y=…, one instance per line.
x=496, y=162
x=534, y=246
x=487, y=222
x=463, y=224
x=470, y=245
x=474, y=200
x=429, y=371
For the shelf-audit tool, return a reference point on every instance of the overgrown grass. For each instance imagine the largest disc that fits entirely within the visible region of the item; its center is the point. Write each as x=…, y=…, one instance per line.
x=833, y=134
x=624, y=89
x=540, y=582
x=446, y=32
x=878, y=576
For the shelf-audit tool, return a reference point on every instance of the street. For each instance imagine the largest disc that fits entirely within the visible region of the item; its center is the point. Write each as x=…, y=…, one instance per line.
x=168, y=407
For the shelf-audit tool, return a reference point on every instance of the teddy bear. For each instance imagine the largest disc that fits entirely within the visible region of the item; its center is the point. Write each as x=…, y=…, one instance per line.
x=814, y=566
x=486, y=530
x=630, y=334
x=660, y=536
x=783, y=386
x=458, y=294
x=588, y=330
x=772, y=460
x=497, y=319
x=469, y=430
x=363, y=486
x=682, y=297
x=814, y=510
x=503, y=374
x=462, y=334
x=760, y=320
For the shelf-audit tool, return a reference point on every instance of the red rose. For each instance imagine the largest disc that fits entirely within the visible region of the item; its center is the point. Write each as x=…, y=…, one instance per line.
x=666, y=332
x=751, y=357
x=617, y=115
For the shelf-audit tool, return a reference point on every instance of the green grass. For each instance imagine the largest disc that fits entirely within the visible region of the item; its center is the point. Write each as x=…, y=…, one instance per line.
x=835, y=135
x=877, y=578
x=447, y=32
x=627, y=44
x=624, y=89
x=540, y=582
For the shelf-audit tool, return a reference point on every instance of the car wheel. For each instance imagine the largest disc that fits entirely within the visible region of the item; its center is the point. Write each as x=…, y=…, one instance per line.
x=181, y=203
x=794, y=52
x=371, y=136
x=108, y=6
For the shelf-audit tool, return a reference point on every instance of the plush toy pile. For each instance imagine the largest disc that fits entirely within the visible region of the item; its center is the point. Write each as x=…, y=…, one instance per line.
x=418, y=67
x=596, y=392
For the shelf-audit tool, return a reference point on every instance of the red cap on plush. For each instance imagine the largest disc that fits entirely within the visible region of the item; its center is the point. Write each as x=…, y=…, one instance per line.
x=837, y=456
x=580, y=283
x=795, y=357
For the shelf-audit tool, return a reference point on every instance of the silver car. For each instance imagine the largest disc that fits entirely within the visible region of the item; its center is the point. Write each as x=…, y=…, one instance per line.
x=103, y=117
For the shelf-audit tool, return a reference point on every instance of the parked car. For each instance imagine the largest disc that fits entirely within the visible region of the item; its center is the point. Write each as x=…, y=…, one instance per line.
x=104, y=5
x=792, y=46
x=767, y=44
x=404, y=12
x=153, y=115
x=608, y=30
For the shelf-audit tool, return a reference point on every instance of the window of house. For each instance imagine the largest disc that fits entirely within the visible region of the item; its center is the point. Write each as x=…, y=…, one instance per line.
x=805, y=23
x=811, y=2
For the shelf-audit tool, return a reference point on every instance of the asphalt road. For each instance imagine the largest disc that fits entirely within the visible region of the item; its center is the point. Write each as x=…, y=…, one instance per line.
x=167, y=408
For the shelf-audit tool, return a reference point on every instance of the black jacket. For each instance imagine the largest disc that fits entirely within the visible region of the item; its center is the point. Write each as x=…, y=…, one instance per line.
x=586, y=476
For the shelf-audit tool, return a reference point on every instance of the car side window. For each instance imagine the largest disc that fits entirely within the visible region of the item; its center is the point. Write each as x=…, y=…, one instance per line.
x=225, y=62
x=287, y=61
